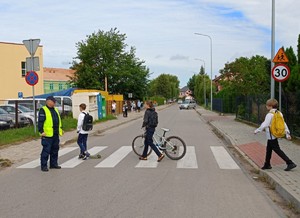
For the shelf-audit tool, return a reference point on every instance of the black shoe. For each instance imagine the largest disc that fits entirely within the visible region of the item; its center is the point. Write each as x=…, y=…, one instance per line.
x=81, y=156
x=266, y=167
x=290, y=166
x=44, y=169
x=55, y=167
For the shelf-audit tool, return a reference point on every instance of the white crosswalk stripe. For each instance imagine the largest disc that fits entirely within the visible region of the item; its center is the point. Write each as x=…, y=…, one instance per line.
x=115, y=158
x=151, y=162
x=189, y=161
x=36, y=163
x=223, y=159
x=75, y=161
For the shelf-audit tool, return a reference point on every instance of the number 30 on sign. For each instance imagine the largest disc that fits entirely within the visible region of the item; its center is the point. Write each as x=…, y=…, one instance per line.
x=280, y=72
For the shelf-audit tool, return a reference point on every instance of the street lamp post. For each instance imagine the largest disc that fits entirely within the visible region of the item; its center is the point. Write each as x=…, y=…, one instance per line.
x=204, y=88
x=211, y=96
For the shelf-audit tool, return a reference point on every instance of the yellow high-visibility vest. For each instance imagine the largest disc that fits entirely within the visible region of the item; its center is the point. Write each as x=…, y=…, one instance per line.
x=48, y=124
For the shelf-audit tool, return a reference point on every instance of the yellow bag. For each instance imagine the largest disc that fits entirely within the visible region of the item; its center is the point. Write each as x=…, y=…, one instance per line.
x=277, y=127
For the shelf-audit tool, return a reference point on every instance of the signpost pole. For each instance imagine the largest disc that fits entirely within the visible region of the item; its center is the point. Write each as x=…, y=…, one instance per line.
x=32, y=45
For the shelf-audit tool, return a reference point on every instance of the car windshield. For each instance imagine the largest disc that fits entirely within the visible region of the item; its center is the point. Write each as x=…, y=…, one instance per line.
x=24, y=109
x=2, y=111
x=186, y=102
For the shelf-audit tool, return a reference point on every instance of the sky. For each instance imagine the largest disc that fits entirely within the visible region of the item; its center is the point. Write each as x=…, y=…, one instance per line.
x=162, y=31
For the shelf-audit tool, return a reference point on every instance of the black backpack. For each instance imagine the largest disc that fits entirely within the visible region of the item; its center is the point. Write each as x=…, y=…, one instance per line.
x=87, y=122
x=153, y=119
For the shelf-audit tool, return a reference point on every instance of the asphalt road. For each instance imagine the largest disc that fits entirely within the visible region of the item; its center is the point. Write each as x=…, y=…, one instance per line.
x=207, y=183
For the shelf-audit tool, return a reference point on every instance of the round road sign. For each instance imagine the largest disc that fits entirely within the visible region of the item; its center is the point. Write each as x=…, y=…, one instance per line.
x=31, y=78
x=280, y=72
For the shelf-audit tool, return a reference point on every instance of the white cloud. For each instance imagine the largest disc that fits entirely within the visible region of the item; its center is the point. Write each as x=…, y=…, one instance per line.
x=161, y=31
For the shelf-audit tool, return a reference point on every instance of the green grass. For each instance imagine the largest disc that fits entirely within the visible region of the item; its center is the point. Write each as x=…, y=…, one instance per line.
x=12, y=136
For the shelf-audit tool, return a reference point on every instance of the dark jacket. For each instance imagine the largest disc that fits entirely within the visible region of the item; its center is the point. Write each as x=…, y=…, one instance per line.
x=146, y=116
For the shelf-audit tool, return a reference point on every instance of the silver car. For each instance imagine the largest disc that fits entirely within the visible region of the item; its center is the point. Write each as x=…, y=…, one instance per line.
x=22, y=120
x=27, y=112
x=188, y=104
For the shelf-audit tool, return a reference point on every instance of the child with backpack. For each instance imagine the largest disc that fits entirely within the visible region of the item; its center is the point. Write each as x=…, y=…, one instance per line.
x=275, y=127
x=150, y=122
x=82, y=129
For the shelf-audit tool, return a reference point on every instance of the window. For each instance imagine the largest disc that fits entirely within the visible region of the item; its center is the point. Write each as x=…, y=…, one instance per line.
x=60, y=86
x=23, y=68
x=51, y=86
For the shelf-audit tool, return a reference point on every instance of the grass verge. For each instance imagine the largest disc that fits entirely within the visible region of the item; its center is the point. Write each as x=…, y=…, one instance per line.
x=14, y=136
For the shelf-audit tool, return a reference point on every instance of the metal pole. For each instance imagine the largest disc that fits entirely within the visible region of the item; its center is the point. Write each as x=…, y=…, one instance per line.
x=211, y=95
x=273, y=49
x=33, y=96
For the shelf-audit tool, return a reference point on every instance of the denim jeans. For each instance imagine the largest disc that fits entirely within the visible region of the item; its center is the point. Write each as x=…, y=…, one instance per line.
x=149, y=141
x=50, y=147
x=82, y=142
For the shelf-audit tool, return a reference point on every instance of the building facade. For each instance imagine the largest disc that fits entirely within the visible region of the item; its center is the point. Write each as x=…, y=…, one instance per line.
x=13, y=71
x=56, y=79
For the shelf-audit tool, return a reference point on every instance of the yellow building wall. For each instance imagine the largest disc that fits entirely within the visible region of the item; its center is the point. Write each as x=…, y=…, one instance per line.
x=11, y=79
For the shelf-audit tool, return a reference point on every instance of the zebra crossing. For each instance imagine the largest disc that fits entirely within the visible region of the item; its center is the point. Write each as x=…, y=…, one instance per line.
x=189, y=161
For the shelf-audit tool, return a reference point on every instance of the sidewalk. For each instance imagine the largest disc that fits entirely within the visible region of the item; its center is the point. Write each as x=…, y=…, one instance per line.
x=253, y=147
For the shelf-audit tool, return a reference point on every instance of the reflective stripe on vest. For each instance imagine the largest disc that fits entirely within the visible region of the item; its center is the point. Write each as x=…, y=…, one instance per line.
x=48, y=124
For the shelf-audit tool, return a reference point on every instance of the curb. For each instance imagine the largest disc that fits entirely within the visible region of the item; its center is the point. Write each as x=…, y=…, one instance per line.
x=278, y=187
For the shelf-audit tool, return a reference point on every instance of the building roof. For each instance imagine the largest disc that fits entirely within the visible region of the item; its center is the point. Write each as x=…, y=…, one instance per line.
x=184, y=89
x=57, y=74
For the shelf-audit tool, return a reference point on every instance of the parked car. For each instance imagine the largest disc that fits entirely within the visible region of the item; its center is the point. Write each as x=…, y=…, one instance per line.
x=187, y=104
x=22, y=120
x=28, y=102
x=65, y=102
x=27, y=112
x=179, y=101
x=5, y=122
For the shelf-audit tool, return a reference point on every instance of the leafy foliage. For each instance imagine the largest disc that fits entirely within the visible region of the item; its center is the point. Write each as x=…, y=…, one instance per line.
x=103, y=54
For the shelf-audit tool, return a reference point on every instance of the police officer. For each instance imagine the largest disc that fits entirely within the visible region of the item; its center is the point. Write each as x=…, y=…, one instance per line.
x=49, y=126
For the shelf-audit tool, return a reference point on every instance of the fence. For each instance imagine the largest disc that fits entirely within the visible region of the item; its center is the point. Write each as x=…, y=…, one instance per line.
x=253, y=109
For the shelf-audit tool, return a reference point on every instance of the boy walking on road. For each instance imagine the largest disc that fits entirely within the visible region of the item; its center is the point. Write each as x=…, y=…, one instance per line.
x=83, y=135
x=272, y=144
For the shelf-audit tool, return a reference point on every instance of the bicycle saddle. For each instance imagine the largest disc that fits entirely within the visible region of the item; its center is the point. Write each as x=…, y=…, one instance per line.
x=166, y=130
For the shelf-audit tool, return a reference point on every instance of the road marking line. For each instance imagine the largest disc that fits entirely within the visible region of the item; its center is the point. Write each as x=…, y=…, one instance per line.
x=223, y=159
x=189, y=160
x=37, y=162
x=76, y=161
x=150, y=163
x=116, y=157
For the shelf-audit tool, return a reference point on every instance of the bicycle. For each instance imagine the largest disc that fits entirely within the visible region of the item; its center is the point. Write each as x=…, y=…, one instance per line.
x=173, y=146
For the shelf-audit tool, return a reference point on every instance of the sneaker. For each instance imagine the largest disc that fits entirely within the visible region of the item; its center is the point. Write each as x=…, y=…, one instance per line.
x=45, y=169
x=290, y=166
x=86, y=156
x=55, y=167
x=266, y=167
x=81, y=156
x=143, y=158
x=161, y=157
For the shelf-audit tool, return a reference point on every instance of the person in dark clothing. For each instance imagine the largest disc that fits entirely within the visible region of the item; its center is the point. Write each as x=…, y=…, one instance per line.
x=149, y=133
x=49, y=127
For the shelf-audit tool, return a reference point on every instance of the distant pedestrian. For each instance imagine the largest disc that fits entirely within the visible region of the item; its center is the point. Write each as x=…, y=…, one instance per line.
x=150, y=122
x=49, y=126
x=113, y=107
x=83, y=135
x=272, y=144
x=138, y=105
x=125, y=109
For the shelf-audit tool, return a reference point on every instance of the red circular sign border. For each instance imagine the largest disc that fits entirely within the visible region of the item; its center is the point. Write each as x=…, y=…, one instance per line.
x=28, y=81
x=288, y=69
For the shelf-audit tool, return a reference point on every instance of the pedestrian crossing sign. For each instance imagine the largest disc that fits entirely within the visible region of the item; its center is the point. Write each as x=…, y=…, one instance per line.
x=280, y=57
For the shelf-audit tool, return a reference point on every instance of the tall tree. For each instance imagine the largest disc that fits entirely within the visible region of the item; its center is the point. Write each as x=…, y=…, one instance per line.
x=103, y=54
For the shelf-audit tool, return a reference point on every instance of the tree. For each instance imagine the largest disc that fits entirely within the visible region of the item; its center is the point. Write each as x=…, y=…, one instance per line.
x=103, y=54
x=164, y=85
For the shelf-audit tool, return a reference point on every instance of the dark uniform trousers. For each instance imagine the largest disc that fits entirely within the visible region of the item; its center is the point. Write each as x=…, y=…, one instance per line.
x=50, y=147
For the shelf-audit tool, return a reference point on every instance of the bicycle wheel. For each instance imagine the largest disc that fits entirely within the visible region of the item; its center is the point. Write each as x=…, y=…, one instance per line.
x=175, y=147
x=138, y=145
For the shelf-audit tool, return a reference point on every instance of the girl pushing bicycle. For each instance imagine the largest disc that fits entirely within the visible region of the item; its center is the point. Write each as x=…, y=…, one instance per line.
x=150, y=122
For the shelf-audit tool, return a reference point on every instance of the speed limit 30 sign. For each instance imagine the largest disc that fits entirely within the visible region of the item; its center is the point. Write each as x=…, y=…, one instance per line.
x=280, y=72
